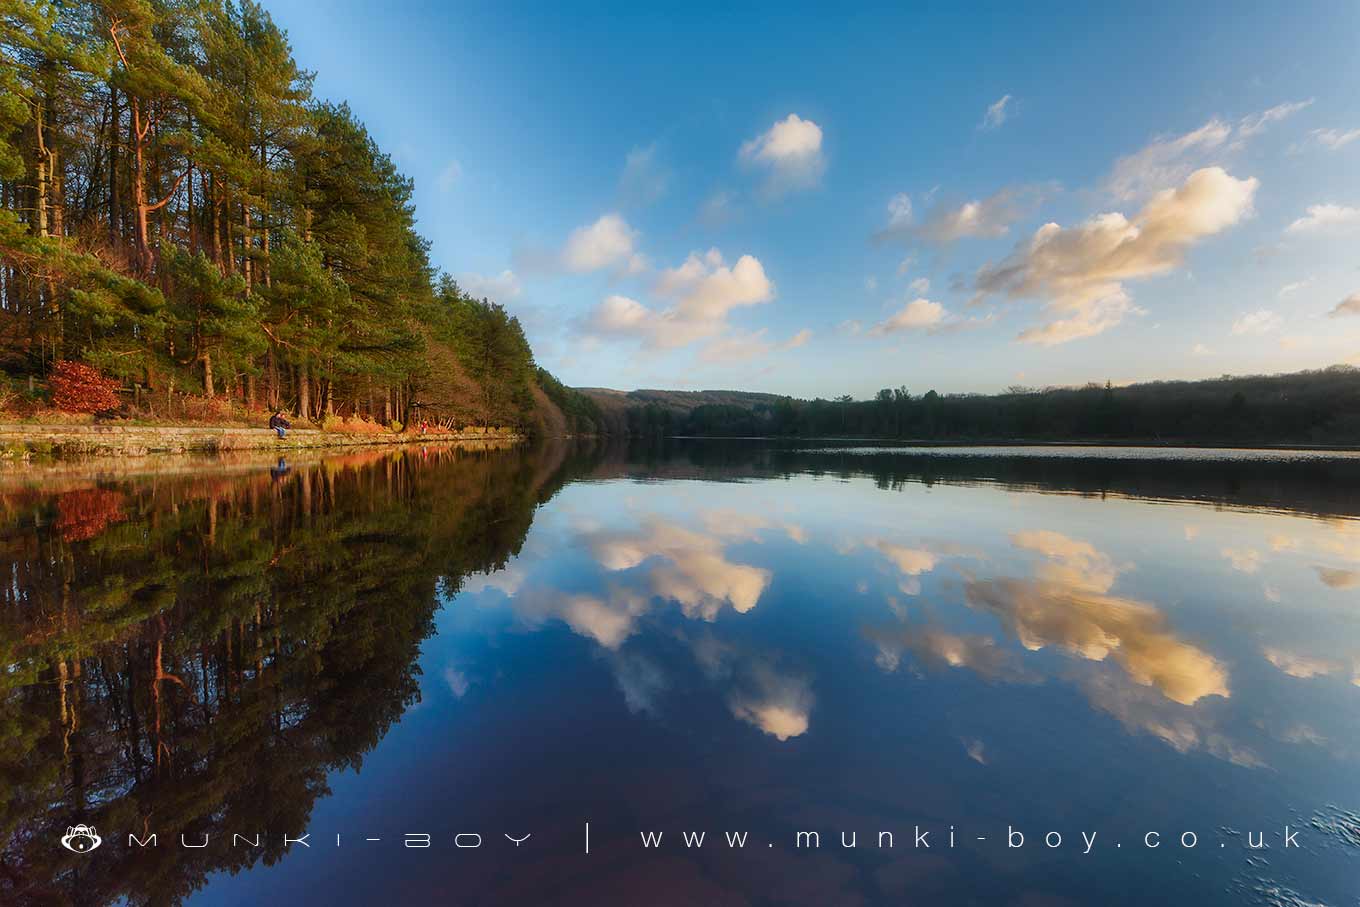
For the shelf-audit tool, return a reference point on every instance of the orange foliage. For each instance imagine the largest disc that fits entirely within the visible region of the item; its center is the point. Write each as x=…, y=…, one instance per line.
x=80, y=388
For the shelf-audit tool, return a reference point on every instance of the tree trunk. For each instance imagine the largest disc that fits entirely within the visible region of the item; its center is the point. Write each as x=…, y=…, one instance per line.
x=304, y=391
x=264, y=224
x=193, y=224
x=43, y=190
x=139, y=189
x=207, y=374
x=57, y=218
x=113, y=167
x=215, y=218
x=227, y=232
x=247, y=240
x=272, y=371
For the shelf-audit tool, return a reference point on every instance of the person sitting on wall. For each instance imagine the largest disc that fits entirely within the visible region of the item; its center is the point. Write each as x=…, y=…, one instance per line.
x=280, y=424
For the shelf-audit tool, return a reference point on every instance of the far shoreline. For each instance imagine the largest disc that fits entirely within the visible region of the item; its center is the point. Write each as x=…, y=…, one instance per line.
x=993, y=442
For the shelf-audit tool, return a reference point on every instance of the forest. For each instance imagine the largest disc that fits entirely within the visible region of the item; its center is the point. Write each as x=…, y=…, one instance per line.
x=179, y=213
x=1310, y=407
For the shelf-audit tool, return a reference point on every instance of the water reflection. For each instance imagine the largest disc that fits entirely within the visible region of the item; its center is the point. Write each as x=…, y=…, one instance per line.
x=682, y=565
x=198, y=655
x=753, y=637
x=1068, y=604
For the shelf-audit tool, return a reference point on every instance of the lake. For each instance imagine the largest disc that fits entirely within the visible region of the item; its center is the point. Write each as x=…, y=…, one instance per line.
x=1026, y=676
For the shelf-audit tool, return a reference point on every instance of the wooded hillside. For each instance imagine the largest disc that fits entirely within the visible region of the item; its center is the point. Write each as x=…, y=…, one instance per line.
x=1311, y=407
x=178, y=211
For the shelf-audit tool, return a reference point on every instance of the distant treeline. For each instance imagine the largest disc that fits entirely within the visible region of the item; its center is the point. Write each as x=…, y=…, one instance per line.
x=178, y=210
x=1311, y=407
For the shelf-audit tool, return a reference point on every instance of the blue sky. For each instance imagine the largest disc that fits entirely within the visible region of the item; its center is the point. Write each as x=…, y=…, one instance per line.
x=828, y=201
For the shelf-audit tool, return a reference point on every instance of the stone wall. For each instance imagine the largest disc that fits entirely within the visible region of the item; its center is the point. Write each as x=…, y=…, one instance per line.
x=23, y=443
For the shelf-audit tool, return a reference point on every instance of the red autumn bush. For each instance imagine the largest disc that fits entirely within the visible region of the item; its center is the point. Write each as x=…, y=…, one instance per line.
x=79, y=388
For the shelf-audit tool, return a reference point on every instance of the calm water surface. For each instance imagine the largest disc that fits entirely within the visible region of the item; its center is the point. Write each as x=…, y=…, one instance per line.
x=704, y=637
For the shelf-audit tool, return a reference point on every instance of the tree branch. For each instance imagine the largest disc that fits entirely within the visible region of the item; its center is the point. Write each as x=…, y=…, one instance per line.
x=173, y=189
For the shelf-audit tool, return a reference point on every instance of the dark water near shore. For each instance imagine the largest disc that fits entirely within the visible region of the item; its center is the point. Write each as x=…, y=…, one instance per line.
x=716, y=637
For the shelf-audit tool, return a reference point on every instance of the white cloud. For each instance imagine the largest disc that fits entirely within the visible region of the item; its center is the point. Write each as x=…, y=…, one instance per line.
x=917, y=315
x=507, y=581
x=792, y=151
x=1302, y=666
x=1335, y=139
x=1070, y=604
x=745, y=346
x=1290, y=289
x=933, y=649
x=1143, y=709
x=500, y=287
x=909, y=561
x=704, y=290
x=996, y=114
x=608, y=623
x=449, y=176
x=707, y=288
x=737, y=346
x=1163, y=162
x=645, y=179
x=640, y=679
x=1348, y=306
x=1334, y=578
x=871, y=284
x=456, y=681
x=620, y=315
x=607, y=243
x=1259, y=322
x=1200, y=349
x=899, y=210
x=1325, y=217
x=1168, y=160
x=1080, y=271
x=1243, y=560
x=683, y=565
x=920, y=286
x=1256, y=123
x=778, y=705
x=989, y=217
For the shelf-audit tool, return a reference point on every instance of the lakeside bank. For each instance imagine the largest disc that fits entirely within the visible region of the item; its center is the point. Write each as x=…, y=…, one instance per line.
x=23, y=444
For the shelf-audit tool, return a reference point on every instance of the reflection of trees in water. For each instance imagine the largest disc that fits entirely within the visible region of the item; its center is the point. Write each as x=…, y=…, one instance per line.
x=1329, y=487
x=194, y=656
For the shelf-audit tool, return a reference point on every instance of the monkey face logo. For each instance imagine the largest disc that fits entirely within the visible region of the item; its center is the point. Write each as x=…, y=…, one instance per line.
x=81, y=839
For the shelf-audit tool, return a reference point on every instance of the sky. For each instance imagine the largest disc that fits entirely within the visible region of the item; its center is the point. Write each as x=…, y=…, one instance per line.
x=826, y=201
